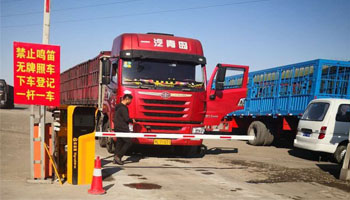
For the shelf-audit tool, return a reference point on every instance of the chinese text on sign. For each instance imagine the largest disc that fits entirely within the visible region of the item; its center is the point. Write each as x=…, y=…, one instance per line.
x=36, y=74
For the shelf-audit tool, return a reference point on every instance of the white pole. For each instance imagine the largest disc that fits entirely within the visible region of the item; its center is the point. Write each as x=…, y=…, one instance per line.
x=173, y=136
x=46, y=25
x=31, y=137
x=42, y=110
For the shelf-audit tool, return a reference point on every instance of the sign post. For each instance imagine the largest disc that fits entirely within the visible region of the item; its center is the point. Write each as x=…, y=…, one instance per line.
x=36, y=82
x=42, y=109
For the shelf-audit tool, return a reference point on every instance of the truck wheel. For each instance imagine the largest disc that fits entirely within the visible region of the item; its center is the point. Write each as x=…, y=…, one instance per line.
x=339, y=153
x=268, y=138
x=257, y=129
x=103, y=140
x=110, y=145
x=109, y=141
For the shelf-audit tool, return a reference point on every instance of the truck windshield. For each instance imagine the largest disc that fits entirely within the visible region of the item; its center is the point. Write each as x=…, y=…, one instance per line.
x=315, y=112
x=163, y=74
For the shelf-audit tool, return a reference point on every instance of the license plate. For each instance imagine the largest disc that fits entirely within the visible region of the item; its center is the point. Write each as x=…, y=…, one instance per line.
x=161, y=142
x=306, y=134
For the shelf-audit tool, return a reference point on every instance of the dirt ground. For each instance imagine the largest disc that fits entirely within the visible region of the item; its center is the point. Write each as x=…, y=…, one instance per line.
x=229, y=170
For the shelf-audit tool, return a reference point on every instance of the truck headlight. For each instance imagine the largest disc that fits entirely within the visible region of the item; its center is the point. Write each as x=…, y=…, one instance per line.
x=198, y=130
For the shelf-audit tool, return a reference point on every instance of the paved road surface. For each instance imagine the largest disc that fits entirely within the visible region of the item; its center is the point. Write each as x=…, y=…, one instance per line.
x=230, y=170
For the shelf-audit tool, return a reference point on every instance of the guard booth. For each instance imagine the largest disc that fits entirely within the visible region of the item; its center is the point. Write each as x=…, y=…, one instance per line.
x=80, y=144
x=75, y=143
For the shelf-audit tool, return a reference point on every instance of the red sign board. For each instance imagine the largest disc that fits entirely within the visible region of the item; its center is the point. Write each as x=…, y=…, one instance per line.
x=36, y=74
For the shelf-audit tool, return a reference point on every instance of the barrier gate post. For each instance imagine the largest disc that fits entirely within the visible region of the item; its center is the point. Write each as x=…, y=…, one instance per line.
x=80, y=144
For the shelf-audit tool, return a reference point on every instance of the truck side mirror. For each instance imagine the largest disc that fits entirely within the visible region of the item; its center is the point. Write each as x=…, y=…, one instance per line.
x=220, y=78
x=106, y=70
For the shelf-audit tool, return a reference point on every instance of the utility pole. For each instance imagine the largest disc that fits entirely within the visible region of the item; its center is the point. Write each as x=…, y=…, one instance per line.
x=42, y=109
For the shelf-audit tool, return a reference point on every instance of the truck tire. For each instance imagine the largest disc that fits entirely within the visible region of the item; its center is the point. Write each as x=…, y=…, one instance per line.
x=257, y=129
x=103, y=140
x=339, y=153
x=268, y=138
x=109, y=141
x=110, y=145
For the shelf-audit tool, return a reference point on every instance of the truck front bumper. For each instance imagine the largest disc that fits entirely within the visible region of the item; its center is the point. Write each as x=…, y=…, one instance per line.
x=174, y=142
x=173, y=128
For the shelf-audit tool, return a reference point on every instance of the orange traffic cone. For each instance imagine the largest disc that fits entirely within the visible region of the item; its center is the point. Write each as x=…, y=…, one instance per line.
x=96, y=185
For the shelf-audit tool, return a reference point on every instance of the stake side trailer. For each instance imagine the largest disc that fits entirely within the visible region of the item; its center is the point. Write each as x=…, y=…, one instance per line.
x=277, y=98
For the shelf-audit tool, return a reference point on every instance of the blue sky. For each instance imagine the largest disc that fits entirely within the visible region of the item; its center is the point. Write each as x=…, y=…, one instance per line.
x=261, y=34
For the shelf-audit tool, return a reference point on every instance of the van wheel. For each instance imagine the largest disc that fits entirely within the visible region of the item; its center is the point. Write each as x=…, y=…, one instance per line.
x=339, y=153
x=259, y=130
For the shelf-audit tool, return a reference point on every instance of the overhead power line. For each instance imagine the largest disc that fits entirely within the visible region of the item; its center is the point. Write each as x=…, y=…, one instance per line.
x=70, y=8
x=143, y=13
x=10, y=1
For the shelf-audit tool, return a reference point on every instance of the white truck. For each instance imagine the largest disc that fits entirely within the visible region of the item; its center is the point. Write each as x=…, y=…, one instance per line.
x=324, y=127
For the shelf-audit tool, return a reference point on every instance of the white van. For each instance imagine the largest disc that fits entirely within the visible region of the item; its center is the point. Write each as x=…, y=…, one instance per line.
x=324, y=127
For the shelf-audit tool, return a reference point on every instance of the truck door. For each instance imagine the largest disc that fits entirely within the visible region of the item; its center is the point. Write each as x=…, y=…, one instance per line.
x=226, y=91
x=113, y=90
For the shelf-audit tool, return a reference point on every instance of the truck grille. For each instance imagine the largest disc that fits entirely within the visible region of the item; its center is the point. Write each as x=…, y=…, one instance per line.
x=159, y=108
x=164, y=108
x=170, y=128
x=162, y=114
x=155, y=101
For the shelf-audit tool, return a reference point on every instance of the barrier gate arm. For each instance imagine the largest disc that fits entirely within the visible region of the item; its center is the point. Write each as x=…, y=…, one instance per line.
x=173, y=136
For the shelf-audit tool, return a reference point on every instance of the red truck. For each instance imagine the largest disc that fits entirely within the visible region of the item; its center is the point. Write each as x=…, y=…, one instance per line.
x=167, y=77
x=6, y=95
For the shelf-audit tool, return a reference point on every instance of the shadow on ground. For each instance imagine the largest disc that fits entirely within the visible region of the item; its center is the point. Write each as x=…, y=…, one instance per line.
x=107, y=172
x=221, y=150
x=332, y=169
x=107, y=187
x=309, y=155
x=139, y=152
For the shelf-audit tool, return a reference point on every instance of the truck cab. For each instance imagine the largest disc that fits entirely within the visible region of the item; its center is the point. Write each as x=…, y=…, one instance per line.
x=6, y=95
x=167, y=77
x=324, y=127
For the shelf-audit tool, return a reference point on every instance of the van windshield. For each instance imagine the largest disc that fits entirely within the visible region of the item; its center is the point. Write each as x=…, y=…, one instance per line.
x=315, y=112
